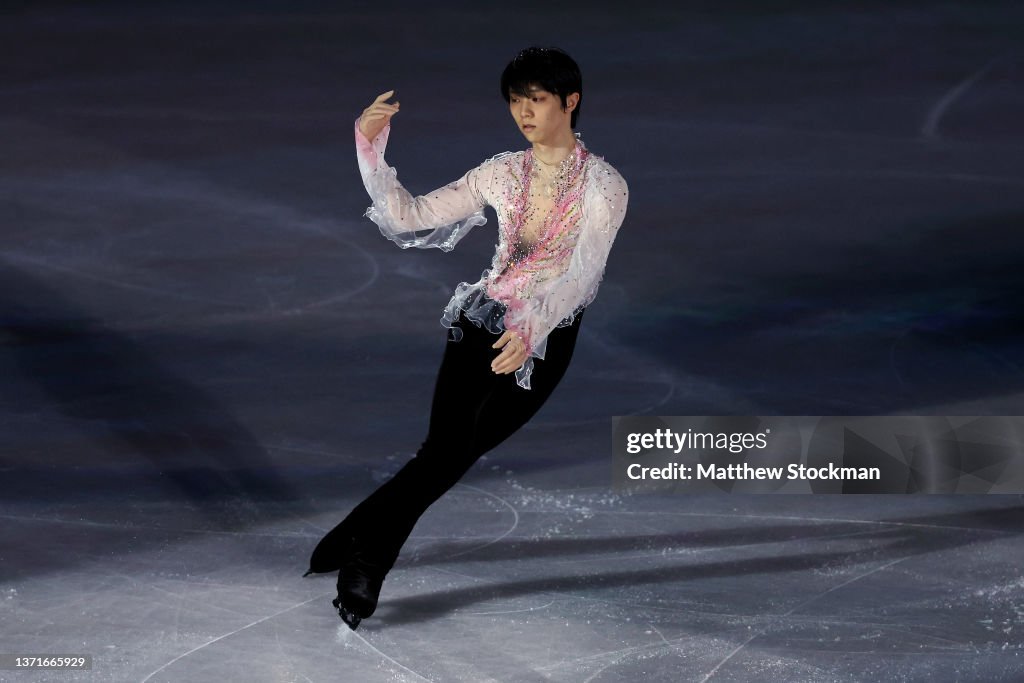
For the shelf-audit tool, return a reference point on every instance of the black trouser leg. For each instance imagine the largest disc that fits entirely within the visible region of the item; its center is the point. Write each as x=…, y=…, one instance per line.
x=473, y=410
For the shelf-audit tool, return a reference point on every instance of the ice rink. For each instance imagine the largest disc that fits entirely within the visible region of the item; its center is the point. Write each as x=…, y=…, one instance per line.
x=208, y=355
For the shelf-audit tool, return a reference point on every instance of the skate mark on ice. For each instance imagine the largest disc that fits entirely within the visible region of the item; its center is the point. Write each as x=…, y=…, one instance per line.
x=661, y=635
x=619, y=654
x=935, y=114
x=213, y=196
x=187, y=594
x=658, y=373
x=515, y=521
x=345, y=632
x=760, y=632
x=623, y=654
x=852, y=579
x=228, y=635
x=628, y=652
x=607, y=666
x=512, y=611
x=49, y=264
x=168, y=530
x=630, y=605
x=831, y=520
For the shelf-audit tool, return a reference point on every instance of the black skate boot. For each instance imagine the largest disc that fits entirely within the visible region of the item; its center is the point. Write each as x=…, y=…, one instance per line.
x=359, y=584
x=332, y=551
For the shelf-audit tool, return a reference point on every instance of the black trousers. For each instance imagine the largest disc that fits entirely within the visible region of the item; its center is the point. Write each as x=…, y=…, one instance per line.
x=473, y=410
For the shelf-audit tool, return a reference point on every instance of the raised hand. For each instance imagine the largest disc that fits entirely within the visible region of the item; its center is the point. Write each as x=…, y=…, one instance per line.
x=375, y=117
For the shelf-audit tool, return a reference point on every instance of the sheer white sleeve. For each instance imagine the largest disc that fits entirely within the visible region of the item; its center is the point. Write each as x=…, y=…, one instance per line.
x=438, y=219
x=558, y=298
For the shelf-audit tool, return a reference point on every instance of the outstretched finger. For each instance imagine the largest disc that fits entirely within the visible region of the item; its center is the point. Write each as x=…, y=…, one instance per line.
x=502, y=340
x=371, y=114
x=503, y=364
x=502, y=368
x=502, y=358
x=382, y=99
x=382, y=109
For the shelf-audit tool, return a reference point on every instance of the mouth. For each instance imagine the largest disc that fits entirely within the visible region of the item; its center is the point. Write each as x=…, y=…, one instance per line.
x=527, y=128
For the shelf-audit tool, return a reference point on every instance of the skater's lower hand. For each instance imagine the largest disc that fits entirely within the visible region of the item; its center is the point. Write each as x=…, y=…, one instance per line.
x=512, y=356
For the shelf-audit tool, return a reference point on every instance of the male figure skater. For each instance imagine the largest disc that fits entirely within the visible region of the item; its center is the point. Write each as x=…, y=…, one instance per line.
x=511, y=333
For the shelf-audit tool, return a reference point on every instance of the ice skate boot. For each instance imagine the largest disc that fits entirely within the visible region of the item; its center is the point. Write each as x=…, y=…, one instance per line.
x=332, y=550
x=359, y=584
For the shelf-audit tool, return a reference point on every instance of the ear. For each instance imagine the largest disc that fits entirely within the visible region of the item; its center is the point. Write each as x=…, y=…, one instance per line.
x=571, y=100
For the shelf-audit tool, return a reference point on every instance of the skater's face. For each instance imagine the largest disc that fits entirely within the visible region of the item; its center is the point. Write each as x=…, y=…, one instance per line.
x=539, y=114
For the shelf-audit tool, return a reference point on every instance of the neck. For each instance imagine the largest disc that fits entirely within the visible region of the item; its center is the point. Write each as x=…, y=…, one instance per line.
x=555, y=151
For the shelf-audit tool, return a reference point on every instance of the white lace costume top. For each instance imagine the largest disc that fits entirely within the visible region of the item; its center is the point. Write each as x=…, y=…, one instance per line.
x=555, y=229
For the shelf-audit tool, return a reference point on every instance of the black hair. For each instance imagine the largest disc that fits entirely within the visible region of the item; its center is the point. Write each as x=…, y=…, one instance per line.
x=546, y=67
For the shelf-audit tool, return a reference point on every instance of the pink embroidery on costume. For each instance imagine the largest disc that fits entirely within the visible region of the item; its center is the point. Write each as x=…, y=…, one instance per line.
x=532, y=285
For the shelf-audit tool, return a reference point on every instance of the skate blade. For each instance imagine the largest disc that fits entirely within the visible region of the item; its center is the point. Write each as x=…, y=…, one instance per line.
x=347, y=615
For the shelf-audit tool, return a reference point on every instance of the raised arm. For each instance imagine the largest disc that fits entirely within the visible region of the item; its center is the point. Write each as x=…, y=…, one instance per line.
x=437, y=219
x=533, y=320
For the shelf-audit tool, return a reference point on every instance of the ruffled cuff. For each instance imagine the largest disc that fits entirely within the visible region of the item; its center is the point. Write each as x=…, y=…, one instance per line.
x=370, y=152
x=524, y=372
x=518, y=321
